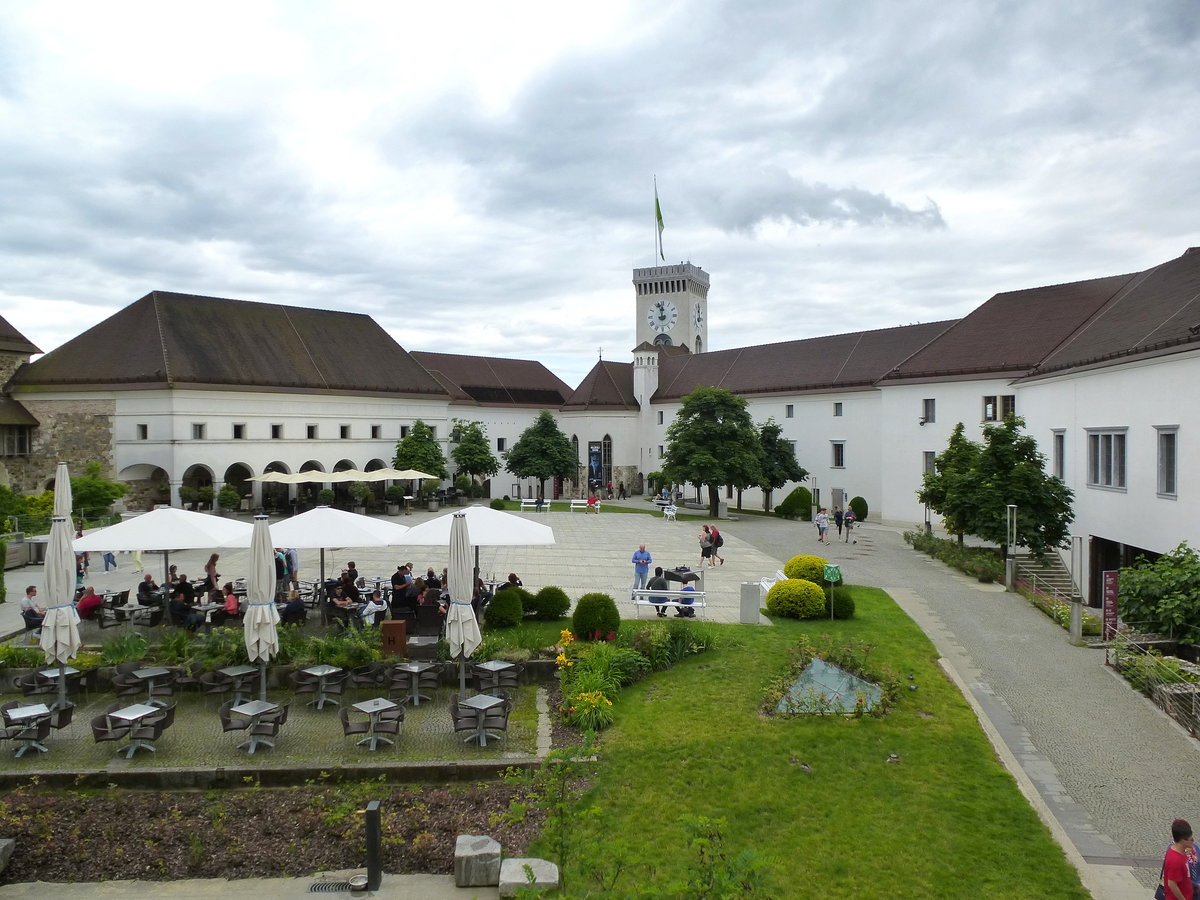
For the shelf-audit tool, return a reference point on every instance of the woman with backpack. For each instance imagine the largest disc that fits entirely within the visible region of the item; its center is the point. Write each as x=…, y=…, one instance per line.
x=717, y=543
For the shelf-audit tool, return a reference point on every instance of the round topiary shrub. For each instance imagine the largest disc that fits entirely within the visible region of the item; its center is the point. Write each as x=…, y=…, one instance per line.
x=595, y=617
x=797, y=503
x=859, y=505
x=795, y=598
x=843, y=604
x=549, y=603
x=806, y=566
x=505, y=610
x=497, y=503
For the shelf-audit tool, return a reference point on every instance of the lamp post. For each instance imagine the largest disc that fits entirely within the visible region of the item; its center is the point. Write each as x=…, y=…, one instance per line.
x=1076, y=629
x=928, y=526
x=1010, y=562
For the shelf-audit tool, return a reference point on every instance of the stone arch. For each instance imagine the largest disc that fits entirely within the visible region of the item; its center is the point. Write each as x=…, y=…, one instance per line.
x=276, y=496
x=149, y=486
x=341, y=489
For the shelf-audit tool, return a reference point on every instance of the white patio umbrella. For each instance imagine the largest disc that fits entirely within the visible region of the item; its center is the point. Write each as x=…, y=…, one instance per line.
x=60, y=628
x=261, y=619
x=487, y=527
x=169, y=529
x=462, y=629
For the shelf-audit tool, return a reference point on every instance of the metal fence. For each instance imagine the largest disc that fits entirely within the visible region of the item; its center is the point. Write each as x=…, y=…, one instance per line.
x=1173, y=684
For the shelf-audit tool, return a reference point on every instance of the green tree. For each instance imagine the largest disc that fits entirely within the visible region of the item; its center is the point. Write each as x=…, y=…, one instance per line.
x=713, y=442
x=471, y=453
x=779, y=465
x=1007, y=468
x=419, y=450
x=92, y=493
x=1164, y=594
x=942, y=488
x=542, y=451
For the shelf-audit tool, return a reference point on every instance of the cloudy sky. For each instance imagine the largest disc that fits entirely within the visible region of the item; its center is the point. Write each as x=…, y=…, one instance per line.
x=478, y=177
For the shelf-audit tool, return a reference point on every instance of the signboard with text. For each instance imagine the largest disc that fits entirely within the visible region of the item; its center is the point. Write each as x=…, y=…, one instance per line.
x=1110, y=604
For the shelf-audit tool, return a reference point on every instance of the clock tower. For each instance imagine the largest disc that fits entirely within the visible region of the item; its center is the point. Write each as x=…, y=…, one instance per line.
x=672, y=306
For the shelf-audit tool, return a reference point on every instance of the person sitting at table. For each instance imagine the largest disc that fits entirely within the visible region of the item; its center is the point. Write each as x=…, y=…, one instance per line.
x=513, y=581
x=147, y=592
x=349, y=588
x=185, y=586
x=230, y=605
x=369, y=614
x=432, y=595
x=293, y=613
x=688, y=613
x=481, y=597
x=172, y=575
x=340, y=606
x=182, y=613
x=87, y=605
x=31, y=611
x=351, y=570
x=594, y=503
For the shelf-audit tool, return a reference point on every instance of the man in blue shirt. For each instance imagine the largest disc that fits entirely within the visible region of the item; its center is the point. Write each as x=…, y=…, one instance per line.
x=641, y=566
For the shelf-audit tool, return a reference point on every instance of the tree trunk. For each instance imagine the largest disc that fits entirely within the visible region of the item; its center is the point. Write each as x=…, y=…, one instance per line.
x=714, y=500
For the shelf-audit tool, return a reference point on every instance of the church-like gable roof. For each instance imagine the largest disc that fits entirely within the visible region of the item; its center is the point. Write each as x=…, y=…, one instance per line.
x=173, y=340
x=609, y=385
x=1156, y=312
x=494, y=381
x=13, y=341
x=836, y=362
x=1012, y=332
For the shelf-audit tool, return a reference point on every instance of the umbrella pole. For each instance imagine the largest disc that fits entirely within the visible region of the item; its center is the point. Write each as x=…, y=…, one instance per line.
x=262, y=679
x=462, y=674
x=62, y=686
x=321, y=591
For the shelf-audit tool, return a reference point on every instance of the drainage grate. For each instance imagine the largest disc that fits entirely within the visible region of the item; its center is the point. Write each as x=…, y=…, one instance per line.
x=328, y=887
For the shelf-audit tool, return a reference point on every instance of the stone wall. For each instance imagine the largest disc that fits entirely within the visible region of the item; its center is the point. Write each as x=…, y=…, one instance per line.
x=78, y=431
x=10, y=361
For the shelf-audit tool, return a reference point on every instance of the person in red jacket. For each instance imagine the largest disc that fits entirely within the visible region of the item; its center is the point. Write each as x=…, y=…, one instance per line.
x=88, y=603
x=1177, y=883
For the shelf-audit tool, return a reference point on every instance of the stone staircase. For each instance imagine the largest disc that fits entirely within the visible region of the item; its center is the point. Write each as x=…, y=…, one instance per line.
x=1051, y=576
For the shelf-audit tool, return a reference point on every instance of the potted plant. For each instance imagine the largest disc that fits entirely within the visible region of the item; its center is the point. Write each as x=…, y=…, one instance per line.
x=229, y=499
x=428, y=487
x=205, y=495
x=361, y=492
x=188, y=495
x=325, y=496
x=395, y=499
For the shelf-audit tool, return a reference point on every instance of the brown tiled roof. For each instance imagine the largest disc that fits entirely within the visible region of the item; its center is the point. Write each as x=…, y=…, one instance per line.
x=13, y=341
x=836, y=362
x=180, y=339
x=1157, y=311
x=13, y=413
x=1012, y=332
x=493, y=381
x=609, y=385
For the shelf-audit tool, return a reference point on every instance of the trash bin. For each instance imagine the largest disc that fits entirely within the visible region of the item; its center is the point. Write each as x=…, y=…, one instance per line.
x=433, y=506
x=749, y=606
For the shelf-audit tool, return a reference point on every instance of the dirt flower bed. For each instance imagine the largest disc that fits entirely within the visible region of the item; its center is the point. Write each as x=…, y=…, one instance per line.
x=253, y=832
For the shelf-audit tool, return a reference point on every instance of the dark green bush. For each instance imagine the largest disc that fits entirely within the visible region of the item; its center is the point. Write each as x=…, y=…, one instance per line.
x=797, y=503
x=622, y=664
x=843, y=604
x=506, y=609
x=595, y=617
x=795, y=598
x=549, y=603
x=497, y=503
x=859, y=505
x=807, y=566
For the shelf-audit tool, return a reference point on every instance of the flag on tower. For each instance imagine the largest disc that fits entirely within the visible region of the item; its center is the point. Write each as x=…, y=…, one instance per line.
x=659, y=221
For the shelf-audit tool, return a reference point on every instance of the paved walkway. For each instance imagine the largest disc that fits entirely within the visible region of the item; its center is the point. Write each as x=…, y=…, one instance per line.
x=1105, y=768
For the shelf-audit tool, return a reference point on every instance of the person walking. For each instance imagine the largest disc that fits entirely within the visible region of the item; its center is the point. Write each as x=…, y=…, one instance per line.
x=110, y=561
x=837, y=519
x=641, y=567
x=706, y=547
x=1176, y=882
x=718, y=543
x=848, y=520
x=822, y=522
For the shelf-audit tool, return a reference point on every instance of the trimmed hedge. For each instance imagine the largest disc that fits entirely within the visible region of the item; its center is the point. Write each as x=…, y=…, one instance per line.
x=797, y=503
x=595, y=614
x=505, y=610
x=808, y=566
x=549, y=603
x=859, y=505
x=795, y=598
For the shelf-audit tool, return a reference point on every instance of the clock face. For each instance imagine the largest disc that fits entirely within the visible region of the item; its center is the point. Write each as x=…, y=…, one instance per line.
x=662, y=316
x=697, y=316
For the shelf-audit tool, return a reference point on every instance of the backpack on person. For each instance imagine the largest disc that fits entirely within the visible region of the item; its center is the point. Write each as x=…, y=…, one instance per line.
x=720, y=540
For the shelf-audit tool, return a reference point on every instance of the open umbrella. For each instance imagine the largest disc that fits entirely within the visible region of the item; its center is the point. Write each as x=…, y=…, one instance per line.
x=487, y=527
x=60, y=628
x=261, y=619
x=462, y=629
x=168, y=529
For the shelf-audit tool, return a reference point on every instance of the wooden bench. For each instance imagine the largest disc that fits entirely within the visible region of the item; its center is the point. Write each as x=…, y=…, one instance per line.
x=584, y=505
x=644, y=597
x=532, y=504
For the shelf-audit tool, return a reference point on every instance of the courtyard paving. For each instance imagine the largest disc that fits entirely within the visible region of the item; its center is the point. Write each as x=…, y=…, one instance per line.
x=1105, y=768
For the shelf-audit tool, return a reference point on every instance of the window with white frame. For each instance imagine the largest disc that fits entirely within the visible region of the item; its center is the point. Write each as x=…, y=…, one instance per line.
x=310, y=431
x=1106, y=459
x=239, y=432
x=928, y=462
x=1168, y=457
x=376, y=432
x=344, y=432
x=1058, y=453
x=660, y=451
x=197, y=431
x=997, y=407
x=501, y=444
x=789, y=411
x=660, y=417
x=837, y=408
x=928, y=410
x=839, y=454
x=276, y=432
x=143, y=432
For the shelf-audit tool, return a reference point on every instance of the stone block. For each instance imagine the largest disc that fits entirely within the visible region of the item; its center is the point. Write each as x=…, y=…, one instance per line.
x=7, y=846
x=513, y=877
x=476, y=861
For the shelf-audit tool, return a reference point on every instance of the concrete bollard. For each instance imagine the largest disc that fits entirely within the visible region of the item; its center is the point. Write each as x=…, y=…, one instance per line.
x=749, y=603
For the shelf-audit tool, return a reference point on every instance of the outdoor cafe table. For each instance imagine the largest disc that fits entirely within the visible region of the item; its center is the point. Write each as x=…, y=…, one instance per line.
x=131, y=715
x=149, y=675
x=373, y=708
x=208, y=609
x=53, y=672
x=415, y=670
x=322, y=673
x=237, y=674
x=254, y=710
x=19, y=715
x=494, y=667
x=481, y=703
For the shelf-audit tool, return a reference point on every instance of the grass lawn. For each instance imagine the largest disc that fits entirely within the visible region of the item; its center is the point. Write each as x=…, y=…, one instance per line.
x=946, y=820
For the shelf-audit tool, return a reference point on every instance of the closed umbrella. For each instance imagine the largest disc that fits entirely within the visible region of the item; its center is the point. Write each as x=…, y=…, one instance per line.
x=462, y=629
x=60, y=628
x=261, y=619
